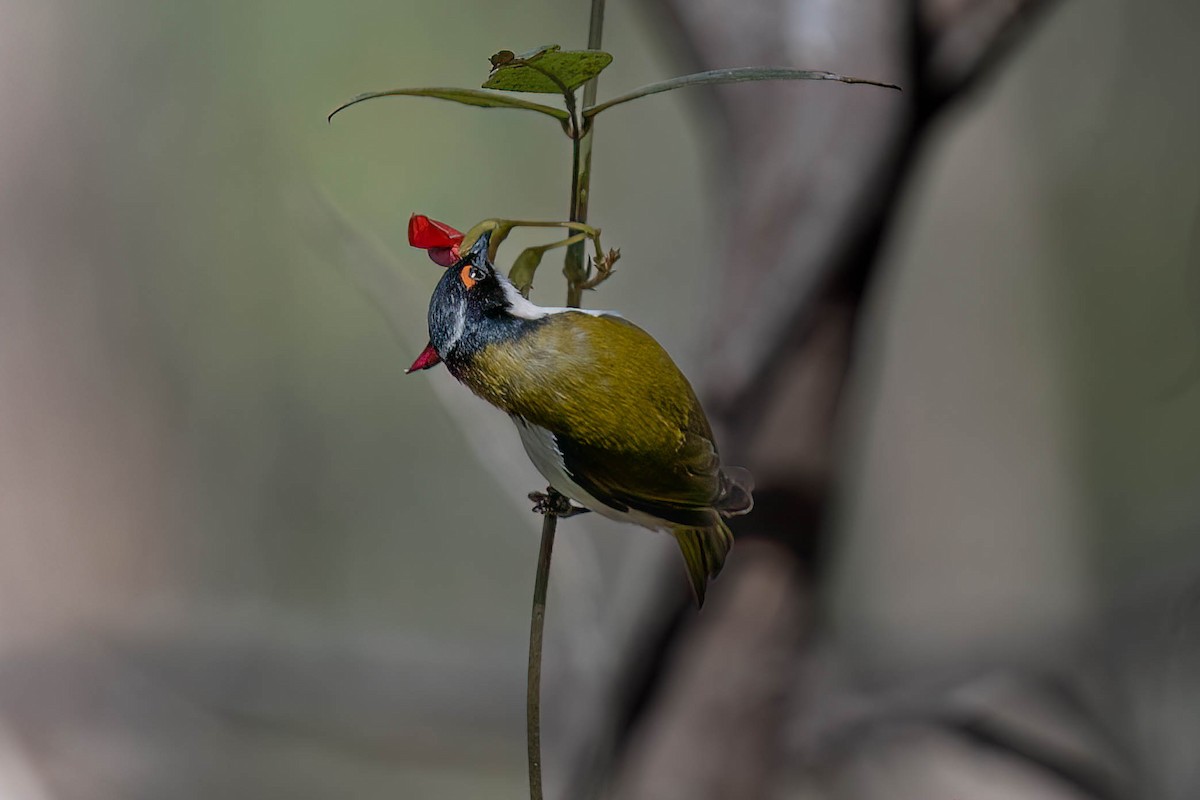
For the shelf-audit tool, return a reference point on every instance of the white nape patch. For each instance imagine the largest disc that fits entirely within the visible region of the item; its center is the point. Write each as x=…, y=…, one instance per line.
x=520, y=307
x=542, y=449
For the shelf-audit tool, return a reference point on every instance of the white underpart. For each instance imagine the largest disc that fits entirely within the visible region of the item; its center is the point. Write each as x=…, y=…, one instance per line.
x=521, y=307
x=543, y=451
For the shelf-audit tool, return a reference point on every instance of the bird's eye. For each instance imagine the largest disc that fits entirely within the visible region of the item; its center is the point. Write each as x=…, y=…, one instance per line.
x=471, y=275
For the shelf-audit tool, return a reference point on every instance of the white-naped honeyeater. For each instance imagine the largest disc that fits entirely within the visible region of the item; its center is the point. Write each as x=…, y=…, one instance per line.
x=603, y=412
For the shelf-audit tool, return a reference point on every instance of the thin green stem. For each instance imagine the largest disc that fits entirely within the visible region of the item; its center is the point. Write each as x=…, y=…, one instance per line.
x=579, y=237
x=534, y=687
x=574, y=226
x=573, y=211
x=595, y=31
x=573, y=268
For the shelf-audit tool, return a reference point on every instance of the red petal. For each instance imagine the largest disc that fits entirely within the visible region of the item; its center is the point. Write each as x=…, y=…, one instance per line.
x=428, y=358
x=446, y=256
x=426, y=233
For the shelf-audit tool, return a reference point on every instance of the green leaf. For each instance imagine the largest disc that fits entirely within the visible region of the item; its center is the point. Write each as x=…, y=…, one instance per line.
x=470, y=97
x=547, y=70
x=731, y=75
x=524, y=267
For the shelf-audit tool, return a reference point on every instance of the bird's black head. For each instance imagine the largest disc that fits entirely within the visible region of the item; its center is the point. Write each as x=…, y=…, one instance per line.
x=470, y=305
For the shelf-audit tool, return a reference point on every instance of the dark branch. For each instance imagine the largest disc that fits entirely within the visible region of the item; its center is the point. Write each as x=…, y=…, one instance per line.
x=808, y=199
x=965, y=46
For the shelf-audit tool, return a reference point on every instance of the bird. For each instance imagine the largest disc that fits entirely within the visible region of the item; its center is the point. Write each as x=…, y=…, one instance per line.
x=602, y=410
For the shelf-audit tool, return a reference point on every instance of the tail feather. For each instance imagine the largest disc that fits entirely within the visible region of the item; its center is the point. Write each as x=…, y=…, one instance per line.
x=704, y=551
x=737, y=492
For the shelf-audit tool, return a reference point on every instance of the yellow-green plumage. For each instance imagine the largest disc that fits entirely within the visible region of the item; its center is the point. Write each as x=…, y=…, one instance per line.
x=628, y=424
x=602, y=410
x=601, y=379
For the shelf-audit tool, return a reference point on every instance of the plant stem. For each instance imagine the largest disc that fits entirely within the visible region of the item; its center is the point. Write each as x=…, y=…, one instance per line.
x=573, y=268
x=534, y=685
x=581, y=170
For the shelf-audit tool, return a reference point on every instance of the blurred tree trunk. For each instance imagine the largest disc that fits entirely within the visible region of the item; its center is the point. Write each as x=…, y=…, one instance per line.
x=810, y=182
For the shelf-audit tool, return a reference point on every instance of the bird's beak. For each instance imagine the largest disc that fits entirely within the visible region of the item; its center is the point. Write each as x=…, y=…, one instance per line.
x=428, y=358
x=478, y=252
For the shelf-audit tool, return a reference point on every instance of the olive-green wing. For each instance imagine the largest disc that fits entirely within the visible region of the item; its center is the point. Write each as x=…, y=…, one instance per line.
x=641, y=441
x=679, y=487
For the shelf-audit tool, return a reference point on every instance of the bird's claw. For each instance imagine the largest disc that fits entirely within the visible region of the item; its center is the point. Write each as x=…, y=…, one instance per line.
x=551, y=502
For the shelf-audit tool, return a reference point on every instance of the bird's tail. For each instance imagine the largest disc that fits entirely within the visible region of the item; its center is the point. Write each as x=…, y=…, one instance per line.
x=737, y=492
x=704, y=550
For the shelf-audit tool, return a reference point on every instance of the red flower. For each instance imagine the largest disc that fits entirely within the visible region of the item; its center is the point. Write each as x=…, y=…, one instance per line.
x=437, y=238
x=441, y=242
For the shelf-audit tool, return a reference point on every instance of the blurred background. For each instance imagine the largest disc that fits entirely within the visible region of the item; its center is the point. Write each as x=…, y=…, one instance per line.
x=242, y=555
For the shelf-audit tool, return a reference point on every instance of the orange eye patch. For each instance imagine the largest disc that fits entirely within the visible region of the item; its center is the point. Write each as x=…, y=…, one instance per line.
x=465, y=276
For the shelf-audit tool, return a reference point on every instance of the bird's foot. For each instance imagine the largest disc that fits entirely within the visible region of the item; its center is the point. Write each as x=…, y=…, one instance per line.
x=551, y=502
